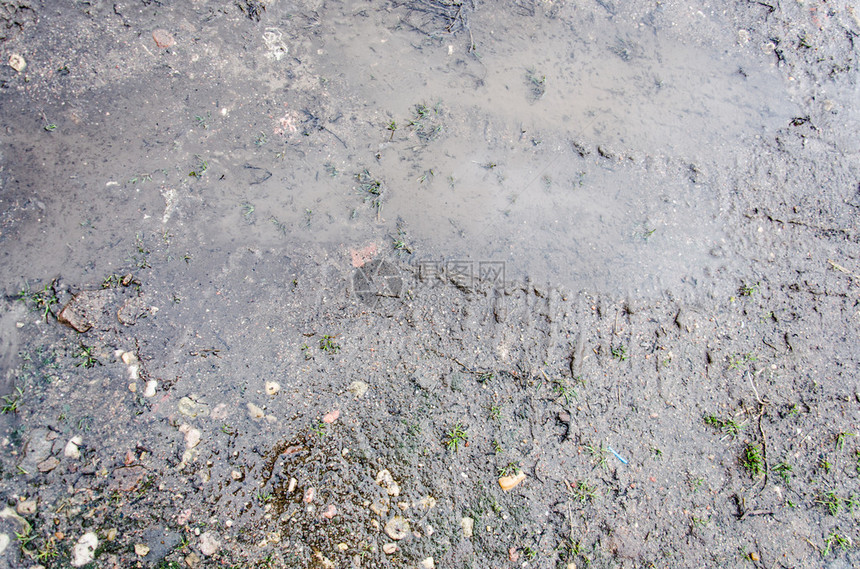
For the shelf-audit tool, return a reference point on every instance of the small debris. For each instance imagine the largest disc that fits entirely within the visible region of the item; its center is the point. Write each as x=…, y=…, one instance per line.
x=129, y=358
x=331, y=416
x=141, y=549
x=208, y=544
x=468, y=525
x=292, y=486
x=192, y=559
x=236, y=475
x=389, y=548
x=85, y=309
x=126, y=478
x=397, y=528
x=428, y=564
x=358, y=389
x=85, y=549
x=4, y=542
x=509, y=482
x=272, y=387
x=163, y=38
x=17, y=62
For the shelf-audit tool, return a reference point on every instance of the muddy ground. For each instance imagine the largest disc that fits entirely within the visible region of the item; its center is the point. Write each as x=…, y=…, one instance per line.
x=423, y=283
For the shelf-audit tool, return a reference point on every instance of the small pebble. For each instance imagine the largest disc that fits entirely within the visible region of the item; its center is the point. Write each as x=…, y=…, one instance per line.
x=255, y=411
x=358, y=388
x=389, y=548
x=72, y=449
x=26, y=508
x=330, y=511
x=149, y=391
x=208, y=544
x=397, y=528
x=468, y=525
x=272, y=387
x=309, y=495
x=331, y=416
x=141, y=549
x=428, y=564
x=236, y=475
x=17, y=62
x=163, y=38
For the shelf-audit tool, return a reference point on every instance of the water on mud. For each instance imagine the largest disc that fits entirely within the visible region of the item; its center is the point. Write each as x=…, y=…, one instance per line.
x=546, y=147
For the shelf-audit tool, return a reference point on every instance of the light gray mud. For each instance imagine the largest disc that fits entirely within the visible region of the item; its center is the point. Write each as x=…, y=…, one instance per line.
x=611, y=248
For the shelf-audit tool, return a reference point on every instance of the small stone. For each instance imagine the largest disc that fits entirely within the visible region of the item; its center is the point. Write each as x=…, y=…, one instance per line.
x=397, y=528
x=428, y=564
x=111, y=534
x=272, y=387
x=149, y=390
x=357, y=388
x=84, y=550
x=403, y=505
x=192, y=435
x=72, y=448
x=342, y=546
x=331, y=416
x=564, y=417
x=129, y=358
x=132, y=387
x=4, y=542
x=427, y=502
x=236, y=475
x=309, y=495
x=208, y=544
x=191, y=408
x=330, y=511
x=379, y=509
x=322, y=562
x=163, y=38
x=468, y=525
x=509, y=482
x=26, y=508
x=192, y=559
x=255, y=412
x=292, y=485
x=389, y=548
x=48, y=464
x=17, y=62
x=141, y=549
x=384, y=479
